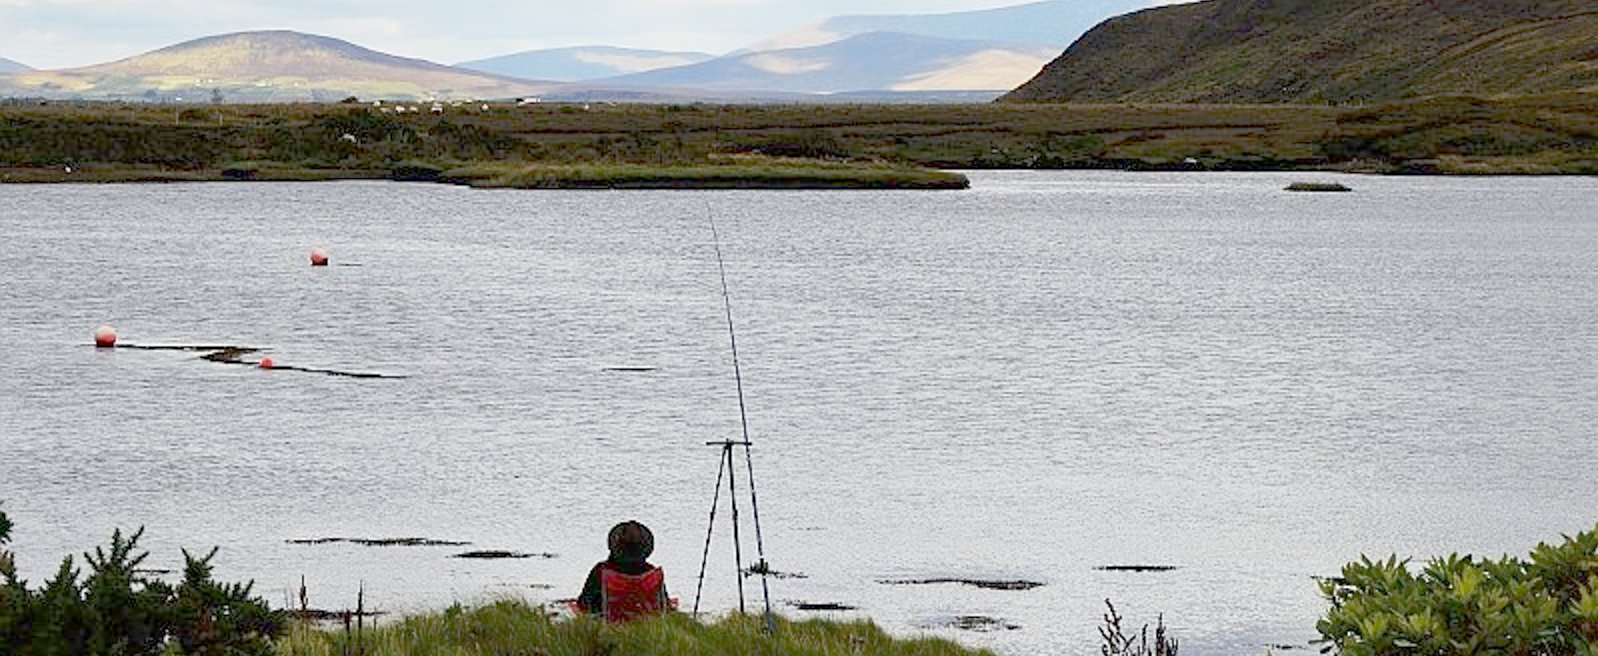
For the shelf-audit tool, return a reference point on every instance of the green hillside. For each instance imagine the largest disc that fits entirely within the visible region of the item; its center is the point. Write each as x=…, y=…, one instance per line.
x=1315, y=51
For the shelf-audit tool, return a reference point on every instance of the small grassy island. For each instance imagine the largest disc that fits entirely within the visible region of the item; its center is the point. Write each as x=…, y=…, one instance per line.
x=1318, y=187
x=829, y=146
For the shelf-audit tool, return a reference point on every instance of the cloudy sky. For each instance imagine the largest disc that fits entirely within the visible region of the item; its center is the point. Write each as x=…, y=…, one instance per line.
x=65, y=33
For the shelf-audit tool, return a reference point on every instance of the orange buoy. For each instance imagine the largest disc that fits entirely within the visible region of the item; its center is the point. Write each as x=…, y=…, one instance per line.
x=267, y=363
x=318, y=257
x=105, y=337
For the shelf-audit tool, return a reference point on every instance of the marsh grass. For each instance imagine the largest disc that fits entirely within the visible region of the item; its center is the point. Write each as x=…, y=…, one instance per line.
x=516, y=628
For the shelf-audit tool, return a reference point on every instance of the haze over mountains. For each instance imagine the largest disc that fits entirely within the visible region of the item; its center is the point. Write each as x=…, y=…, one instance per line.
x=1053, y=23
x=1327, y=51
x=8, y=66
x=583, y=62
x=984, y=50
x=899, y=62
x=861, y=57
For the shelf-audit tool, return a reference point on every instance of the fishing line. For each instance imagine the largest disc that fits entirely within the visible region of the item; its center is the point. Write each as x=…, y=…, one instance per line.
x=727, y=460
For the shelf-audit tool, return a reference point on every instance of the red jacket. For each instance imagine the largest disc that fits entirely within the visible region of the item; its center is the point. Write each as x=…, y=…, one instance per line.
x=620, y=595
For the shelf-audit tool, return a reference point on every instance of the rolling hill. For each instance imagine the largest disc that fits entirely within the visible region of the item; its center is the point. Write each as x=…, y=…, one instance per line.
x=582, y=63
x=883, y=61
x=8, y=66
x=1313, y=51
x=265, y=66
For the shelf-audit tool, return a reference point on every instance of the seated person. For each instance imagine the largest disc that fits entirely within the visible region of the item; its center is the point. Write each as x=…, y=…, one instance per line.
x=625, y=586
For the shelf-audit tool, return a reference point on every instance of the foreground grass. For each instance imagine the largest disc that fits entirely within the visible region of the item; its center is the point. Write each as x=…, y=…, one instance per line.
x=516, y=628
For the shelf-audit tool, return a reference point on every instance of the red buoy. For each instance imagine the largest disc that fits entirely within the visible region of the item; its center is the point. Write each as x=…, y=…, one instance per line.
x=105, y=337
x=267, y=363
x=318, y=257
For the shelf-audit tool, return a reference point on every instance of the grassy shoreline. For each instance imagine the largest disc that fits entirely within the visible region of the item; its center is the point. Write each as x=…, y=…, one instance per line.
x=823, y=146
x=516, y=627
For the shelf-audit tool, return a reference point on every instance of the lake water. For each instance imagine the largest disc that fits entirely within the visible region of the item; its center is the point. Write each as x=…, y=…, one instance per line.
x=1044, y=375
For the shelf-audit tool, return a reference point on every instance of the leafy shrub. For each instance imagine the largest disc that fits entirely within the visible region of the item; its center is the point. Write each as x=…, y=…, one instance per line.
x=118, y=609
x=1459, y=605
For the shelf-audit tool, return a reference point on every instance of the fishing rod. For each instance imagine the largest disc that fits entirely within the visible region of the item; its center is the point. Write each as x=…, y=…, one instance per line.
x=728, y=467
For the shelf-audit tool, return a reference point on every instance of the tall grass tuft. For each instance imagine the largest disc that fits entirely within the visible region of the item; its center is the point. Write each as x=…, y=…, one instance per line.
x=516, y=628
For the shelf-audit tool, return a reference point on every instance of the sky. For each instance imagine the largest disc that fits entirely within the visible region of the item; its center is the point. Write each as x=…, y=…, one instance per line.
x=67, y=33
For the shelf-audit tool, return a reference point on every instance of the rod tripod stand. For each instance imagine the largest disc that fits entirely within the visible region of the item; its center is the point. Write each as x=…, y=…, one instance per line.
x=728, y=470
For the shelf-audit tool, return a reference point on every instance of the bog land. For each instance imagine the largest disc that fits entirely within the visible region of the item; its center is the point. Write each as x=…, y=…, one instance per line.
x=780, y=146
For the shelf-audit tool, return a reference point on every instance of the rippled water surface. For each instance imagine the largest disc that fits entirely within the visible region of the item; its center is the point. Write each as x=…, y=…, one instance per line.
x=1043, y=375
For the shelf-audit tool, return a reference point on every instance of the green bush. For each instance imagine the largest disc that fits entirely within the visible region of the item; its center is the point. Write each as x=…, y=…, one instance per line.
x=120, y=610
x=1547, y=605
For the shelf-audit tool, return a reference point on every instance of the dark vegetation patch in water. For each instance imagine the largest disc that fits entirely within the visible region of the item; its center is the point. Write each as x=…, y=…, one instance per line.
x=1318, y=187
x=501, y=555
x=764, y=569
x=184, y=347
x=981, y=623
x=384, y=542
x=1136, y=568
x=236, y=355
x=632, y=370
x=819, y=606
x=979, y=583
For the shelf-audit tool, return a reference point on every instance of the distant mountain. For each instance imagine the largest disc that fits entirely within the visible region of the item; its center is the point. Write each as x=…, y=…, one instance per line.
x=953, y=57
x=878, y=61
x=582, y=63
x=1327, y=51
x=1053, y=22
x=269, y=66
x=8, y=66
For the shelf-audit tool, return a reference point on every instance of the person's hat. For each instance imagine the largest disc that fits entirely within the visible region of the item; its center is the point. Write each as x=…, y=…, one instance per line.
x=631, y=540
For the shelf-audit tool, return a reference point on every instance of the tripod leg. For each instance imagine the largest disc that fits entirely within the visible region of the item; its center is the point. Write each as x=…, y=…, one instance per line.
x=737, y=543
x=709, y=531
